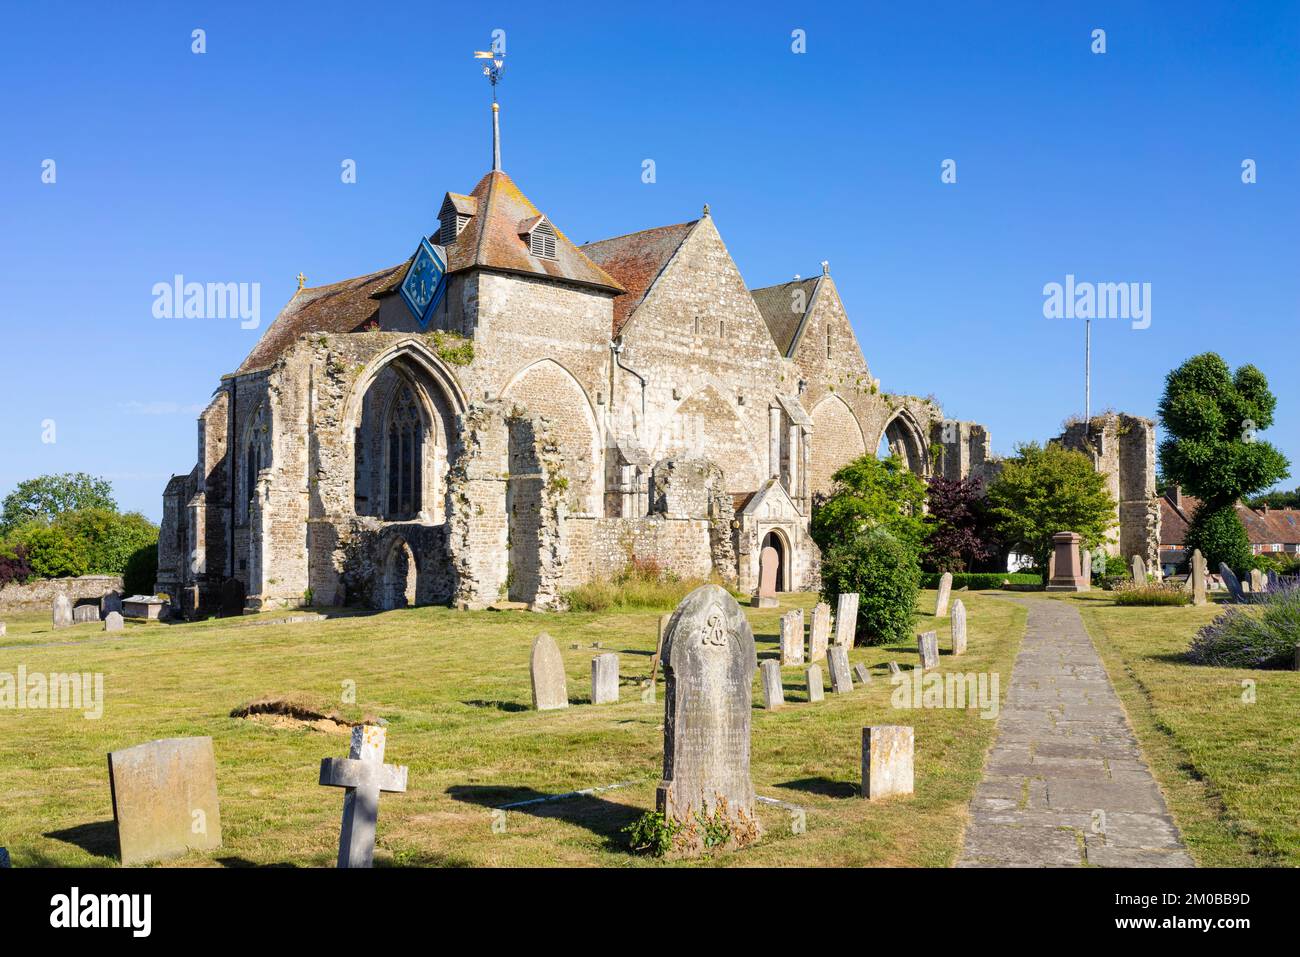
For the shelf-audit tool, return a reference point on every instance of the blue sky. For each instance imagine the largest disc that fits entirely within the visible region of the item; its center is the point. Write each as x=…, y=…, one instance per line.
x=225, y=167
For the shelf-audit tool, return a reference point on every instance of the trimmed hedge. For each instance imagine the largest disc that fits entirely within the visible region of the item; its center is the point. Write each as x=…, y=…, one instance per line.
x=977, y=580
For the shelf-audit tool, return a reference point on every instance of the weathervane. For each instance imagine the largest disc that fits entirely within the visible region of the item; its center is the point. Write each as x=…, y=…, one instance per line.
x=493, y=71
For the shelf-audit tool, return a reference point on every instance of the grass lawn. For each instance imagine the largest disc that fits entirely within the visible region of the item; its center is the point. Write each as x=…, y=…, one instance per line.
x=454, y=688
x=1229, y=767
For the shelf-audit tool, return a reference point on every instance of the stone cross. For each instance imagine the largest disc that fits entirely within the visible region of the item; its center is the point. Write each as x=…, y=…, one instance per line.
x=364, y=776
x=958, y=627
x=846, y=619
x=820, y=633
x=1139, y=570
x=62, y=611
x=113, y=621
x=864, y=676
x=792, y=637
x=815, y=690
x=546, y=668
x=1198, y=578
x=773, y=693
x=1230, y=580
x=837, y=658
x=927, y=645
x=945, y=589
x=765, y=597
x=887, y=753
x=604, y=678
x=709, y=662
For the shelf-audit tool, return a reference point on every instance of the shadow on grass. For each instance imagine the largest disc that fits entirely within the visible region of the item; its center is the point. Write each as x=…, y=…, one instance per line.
x=97, y=837
x=606, y=819
x=242, y=862
x=823, y=786
x=511, y=706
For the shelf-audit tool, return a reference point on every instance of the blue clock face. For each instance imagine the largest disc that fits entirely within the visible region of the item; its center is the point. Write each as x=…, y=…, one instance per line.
x=425, y=281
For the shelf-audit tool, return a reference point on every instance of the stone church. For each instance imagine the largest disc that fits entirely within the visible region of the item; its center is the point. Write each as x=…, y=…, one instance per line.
x=561, y=411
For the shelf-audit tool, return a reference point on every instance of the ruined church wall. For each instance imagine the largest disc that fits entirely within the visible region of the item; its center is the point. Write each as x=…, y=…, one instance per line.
x=598, y=548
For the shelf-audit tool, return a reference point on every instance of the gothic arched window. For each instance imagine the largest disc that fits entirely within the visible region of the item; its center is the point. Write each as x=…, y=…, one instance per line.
x=404, y=452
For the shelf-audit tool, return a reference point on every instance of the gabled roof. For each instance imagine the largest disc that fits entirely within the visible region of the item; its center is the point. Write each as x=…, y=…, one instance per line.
x=636, y=261
x=776, y=303
x=491, y=239
x=1276, y=526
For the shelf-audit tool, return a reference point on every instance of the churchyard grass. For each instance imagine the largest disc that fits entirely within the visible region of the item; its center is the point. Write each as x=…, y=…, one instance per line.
x=1229, y=766
x=454, y=688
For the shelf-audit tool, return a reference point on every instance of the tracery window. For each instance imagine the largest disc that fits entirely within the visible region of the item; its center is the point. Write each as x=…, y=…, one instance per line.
x=404, y=454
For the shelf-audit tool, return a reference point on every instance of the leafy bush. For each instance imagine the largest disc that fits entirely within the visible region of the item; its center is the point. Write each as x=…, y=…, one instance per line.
x=1219, y=534
x=51, y=551
x=14, y=566
x=110, y=539
x=871, y=493
x=1263, y=635
x=959, y=527
x=886, y=575
x=977, y=580
x=1116, y=567
x=1150, y=593
x=652, y=834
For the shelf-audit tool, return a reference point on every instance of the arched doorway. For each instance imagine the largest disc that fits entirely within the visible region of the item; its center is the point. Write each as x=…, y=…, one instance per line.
x=777, y=542
x=397, y=587
x=903, y=437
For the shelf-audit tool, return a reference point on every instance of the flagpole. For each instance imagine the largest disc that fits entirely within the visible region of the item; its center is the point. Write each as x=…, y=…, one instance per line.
x=1087, y=370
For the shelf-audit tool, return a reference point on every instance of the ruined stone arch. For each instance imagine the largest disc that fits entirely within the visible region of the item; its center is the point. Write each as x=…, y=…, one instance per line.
x=252, y=454
x=706, y=426
x=399, y=425
x=546, y=389
x=399, y=576
x=906, y=439
x=836, y=441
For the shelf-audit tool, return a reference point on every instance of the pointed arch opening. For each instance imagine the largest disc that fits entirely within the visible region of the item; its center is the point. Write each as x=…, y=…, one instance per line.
x=903, y=437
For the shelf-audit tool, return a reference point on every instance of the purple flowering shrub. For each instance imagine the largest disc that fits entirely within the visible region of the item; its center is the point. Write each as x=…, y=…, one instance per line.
x=1261, y=635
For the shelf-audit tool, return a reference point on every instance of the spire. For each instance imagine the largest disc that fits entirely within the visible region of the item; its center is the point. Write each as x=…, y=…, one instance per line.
x=493, y=71
x=496, y=137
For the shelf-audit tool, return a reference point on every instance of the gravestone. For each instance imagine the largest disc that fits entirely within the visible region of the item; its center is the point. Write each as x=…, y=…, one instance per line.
x=604, y=678
x=1272, y=581
x=1085, y=563
x=1198, y=578
x=958, y=627
x=364, y=776
x=815, y=690
x=837, y=659
x=164, y=797
x=864, y=676
x=232, y=598
x=820, y=633
x=1256, y=582
x=659, y=646
x=1051, y=565
x=112, y=602
x=945, y=590
x=792, y=637
x=927, y=645
x=85, y=613
x=773, y=693
x=887, y=753
x=113, y=621
x=765, y=597
x=546, y=668
x=4, y=857
x=62, y=611
x=846, y=619
x=709, y=662
x=1230, y=580
x=1138, y=569
x=894, y=669
x=2, y=629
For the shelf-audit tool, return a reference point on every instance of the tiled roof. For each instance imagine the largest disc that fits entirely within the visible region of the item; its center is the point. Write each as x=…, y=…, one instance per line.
x=340, y=307
x=1277, y=526
x=491, y=239
x=775, y=303
x=636, y=260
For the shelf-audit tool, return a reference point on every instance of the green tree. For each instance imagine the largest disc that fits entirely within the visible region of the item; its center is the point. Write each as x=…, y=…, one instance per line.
x=109, y=539
x=886, y=574
x=48, y=496
x=50, y=550
x=1211, y=416
x=1042, y=491
x=871, y=493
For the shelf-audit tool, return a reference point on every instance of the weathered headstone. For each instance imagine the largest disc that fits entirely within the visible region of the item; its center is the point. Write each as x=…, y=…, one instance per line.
x=164, y=797
x=1198, y=578
x=773, y=693
x=819, y=634
x=1272, y=581
x=863, y=675
x=113, y=621
x=659, y=645
x=364, y=775
x=84, y=613
x=112, y=602
x=846, y=619
x=62, y=611
x=945, y=590
x=1256, y=582
x=1051, y=565
x=958, y=627
x=1231, y=582
x=546, y=668
x=709, y=662
x=3, y=628
x=1085, y=564
x=604, y=678
x=837, y=660
x=1138, y=570
x=927, y=645
x=4, y=857
x=894, y=669
x=765, y=597
x=792, y=637
x=816, y=692
x=887, y=756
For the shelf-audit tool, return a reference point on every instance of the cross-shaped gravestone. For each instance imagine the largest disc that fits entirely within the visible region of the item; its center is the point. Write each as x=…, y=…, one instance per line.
x=364, y=775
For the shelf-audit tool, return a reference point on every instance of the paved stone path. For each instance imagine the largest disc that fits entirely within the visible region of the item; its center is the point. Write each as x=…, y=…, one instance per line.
x=1065, y=784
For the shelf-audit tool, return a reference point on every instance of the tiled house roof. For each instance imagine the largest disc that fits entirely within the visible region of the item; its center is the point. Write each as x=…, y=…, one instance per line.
x=636, y=260
x=776, y=302
x=1275, y=526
